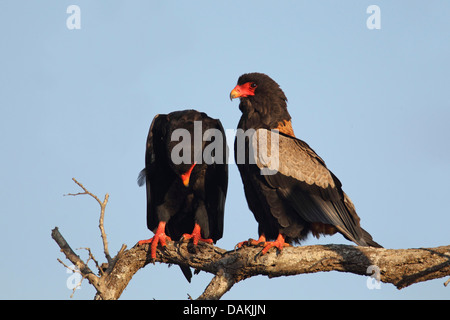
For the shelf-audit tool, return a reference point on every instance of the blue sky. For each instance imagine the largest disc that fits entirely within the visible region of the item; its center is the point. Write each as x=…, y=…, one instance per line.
x=78, y=103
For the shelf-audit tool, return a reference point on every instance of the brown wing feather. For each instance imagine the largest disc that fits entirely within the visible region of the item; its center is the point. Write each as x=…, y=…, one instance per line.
x=303, y=180
x=291, y=157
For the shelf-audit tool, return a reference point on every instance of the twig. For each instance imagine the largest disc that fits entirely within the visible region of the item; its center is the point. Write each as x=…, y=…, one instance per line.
x=102, y=283
x=102, y=216
x=77, y=285
x=91, y=257
x=74, y=270
x=75, y=259
x=65, y=265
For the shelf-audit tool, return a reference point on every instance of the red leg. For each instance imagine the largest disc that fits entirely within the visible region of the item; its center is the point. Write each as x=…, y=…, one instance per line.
x=279, y=243
x=159, y=237
x=196, y=236
x=252, y=242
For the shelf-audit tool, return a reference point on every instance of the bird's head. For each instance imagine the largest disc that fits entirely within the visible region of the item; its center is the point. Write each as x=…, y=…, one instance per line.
x=262, y=101
x=255, y=86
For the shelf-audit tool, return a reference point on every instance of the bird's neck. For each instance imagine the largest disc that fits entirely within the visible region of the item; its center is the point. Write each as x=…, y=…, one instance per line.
x=273, y=116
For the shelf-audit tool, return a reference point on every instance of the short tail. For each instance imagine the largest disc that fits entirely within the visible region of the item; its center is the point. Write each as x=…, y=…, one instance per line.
x=187, y=272
x=367, y=240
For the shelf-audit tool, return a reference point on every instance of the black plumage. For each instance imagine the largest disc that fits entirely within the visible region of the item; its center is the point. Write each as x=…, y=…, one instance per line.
x=186, y=176
x=290, y=191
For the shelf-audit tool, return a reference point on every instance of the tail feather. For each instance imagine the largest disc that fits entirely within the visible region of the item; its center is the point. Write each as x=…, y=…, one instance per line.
x=366, y=239
x=369, y=242
x=187, y=272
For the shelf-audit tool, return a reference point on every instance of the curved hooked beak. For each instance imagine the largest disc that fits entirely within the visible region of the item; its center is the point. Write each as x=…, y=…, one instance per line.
x=244, y=90
x=235, y=93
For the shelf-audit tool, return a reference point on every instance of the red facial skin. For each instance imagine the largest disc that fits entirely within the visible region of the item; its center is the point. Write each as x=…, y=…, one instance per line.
x=243, y=90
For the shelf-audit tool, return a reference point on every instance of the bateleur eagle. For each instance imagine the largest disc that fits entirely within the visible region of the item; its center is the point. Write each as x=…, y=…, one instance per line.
x=186, y=180
x=297, y=194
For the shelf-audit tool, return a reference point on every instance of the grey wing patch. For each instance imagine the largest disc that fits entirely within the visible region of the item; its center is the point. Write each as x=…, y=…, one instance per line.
x=274, y=152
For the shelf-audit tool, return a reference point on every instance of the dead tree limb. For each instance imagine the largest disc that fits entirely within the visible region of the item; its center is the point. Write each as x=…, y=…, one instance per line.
x=400, y=267
x=102, y=216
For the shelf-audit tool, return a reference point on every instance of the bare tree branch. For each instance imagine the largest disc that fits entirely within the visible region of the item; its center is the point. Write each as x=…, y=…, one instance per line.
x=97, y=281
x=219, y=285
x=75, y=259
x=91, y=257
x=400, y=267
x=102, y=216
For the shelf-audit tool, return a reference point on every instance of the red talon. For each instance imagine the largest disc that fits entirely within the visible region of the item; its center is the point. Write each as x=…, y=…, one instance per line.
x=196, y=236
x=159, y=237
x=252, y=242
x=278, y=243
